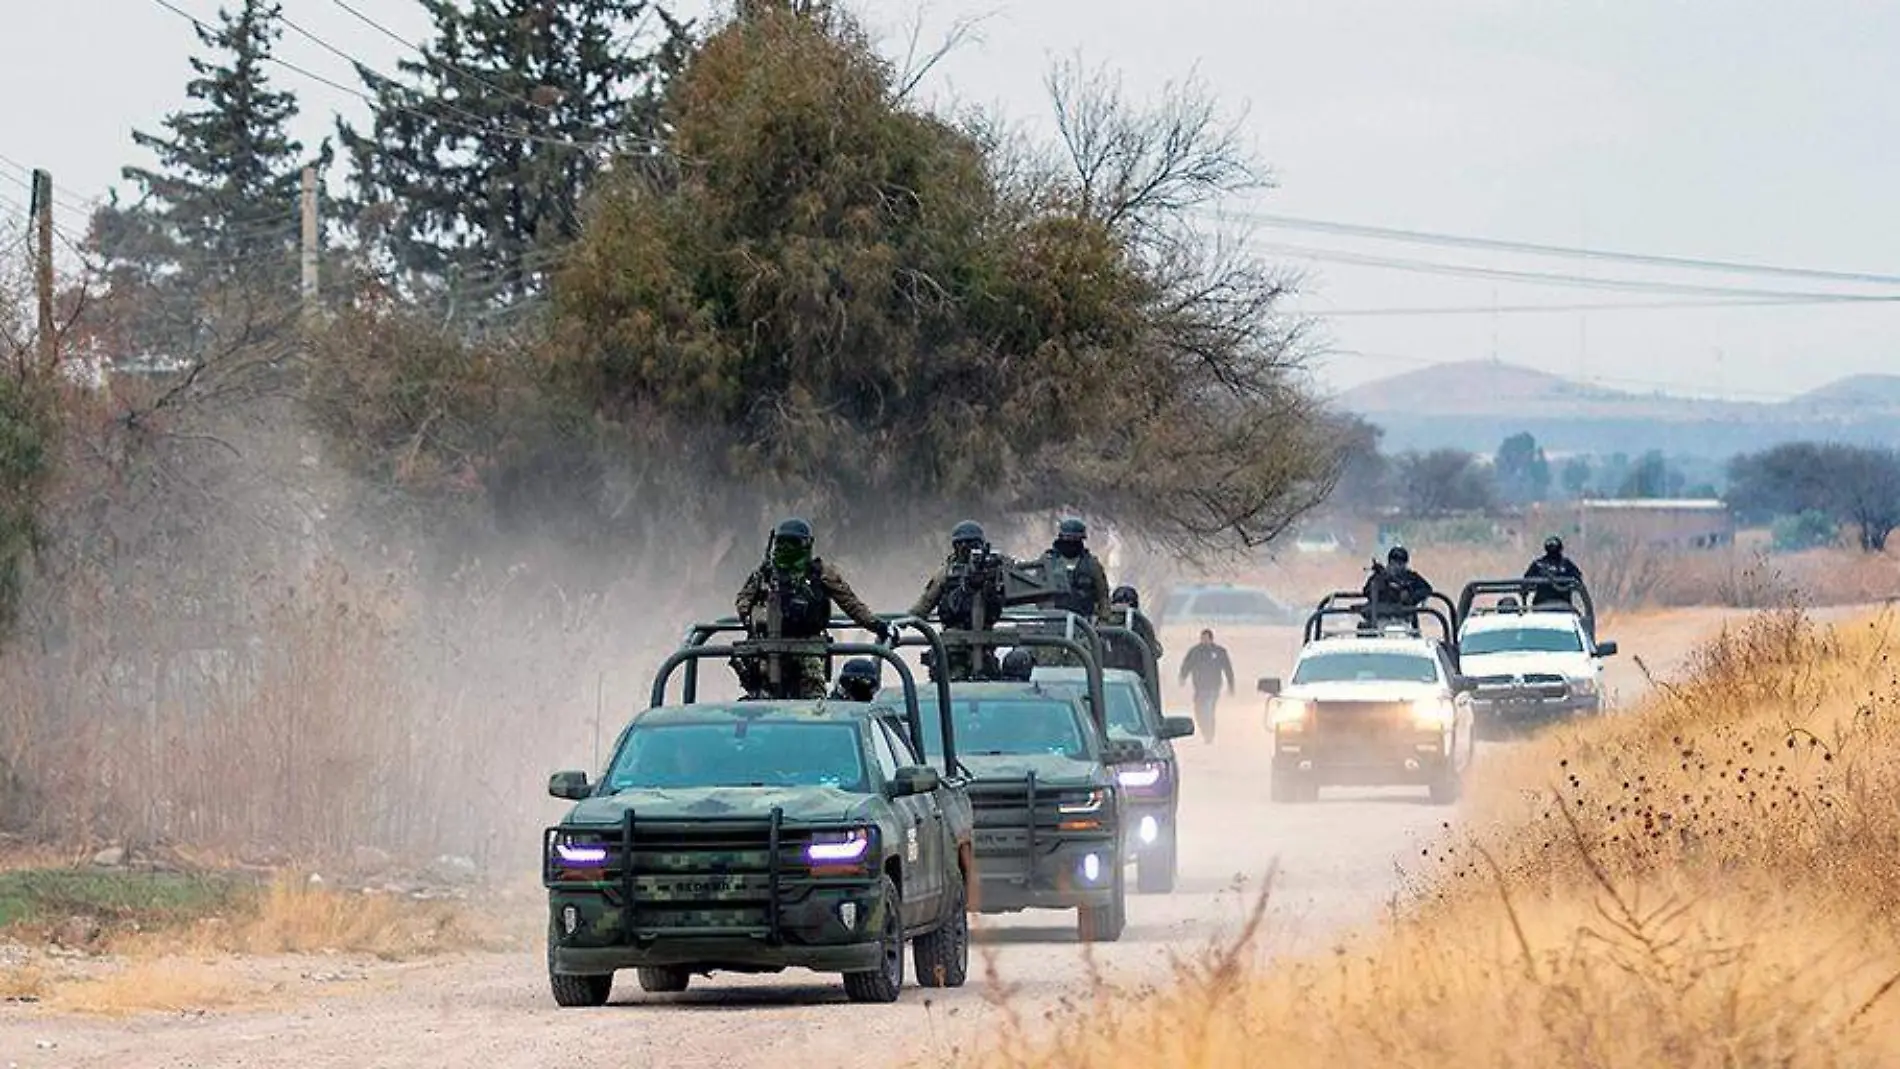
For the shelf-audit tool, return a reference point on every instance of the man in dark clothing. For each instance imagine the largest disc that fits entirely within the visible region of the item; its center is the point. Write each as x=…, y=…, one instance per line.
x=790, y=596
x=968, y=581
x=1081, y=572
x=1555, y=566
x=857, y=681
x=1125, y=611
x=1396, y=591
x=1208, y=666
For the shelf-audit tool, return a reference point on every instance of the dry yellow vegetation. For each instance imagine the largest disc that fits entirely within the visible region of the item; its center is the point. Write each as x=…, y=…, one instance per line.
x=1708, y=880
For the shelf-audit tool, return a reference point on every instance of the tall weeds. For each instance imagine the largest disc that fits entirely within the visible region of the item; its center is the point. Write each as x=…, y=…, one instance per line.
x=1706, y=880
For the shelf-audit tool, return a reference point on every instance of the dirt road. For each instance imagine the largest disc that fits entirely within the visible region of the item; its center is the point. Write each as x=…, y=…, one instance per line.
x=1338, y=864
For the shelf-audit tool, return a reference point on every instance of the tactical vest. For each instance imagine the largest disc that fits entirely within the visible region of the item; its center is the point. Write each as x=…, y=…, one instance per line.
x=1083, y=589
x=956, y=609
x=803, y=604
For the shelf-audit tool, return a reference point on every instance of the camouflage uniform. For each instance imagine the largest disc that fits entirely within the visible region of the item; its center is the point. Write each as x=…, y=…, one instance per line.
x=804, y=677
x=955, y=606
x=1119, y=655
x=1087, y=597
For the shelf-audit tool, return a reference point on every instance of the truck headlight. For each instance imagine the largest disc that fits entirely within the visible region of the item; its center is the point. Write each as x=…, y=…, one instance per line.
x=1432, y=714
x=1090, y=803
x=1141, y=777
x=1584, y=686
x=580, y=853
x=1288, y=714
x=836, y=847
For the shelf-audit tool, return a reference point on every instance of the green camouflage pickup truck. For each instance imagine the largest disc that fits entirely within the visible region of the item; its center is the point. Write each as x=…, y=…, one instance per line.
x=754, y=836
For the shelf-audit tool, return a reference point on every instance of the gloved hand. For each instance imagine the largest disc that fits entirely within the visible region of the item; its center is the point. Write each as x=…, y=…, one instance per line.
x=883, y=633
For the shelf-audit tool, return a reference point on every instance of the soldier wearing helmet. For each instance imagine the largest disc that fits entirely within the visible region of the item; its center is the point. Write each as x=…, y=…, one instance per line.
x=1553, y=565
x=1124, y=607
x=857, y=681
x=966, y=586
x=1070, y=558
x=790, y=596
x=1394, y=588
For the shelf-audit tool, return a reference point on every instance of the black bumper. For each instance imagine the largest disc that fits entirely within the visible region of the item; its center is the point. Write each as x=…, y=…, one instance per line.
x=1015, y=872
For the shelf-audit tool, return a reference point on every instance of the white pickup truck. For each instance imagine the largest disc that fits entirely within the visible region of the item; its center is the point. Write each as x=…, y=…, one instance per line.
x=1531, y=665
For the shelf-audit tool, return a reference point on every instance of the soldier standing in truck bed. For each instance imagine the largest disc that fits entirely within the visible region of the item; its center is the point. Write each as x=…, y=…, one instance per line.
x=790, y=596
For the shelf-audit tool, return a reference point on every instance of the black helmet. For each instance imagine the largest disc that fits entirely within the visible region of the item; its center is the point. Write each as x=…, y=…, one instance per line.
x=968, y=531
x=1071, y=530
x=1018, y=664
x=792, y=530
x=1125, y=595
x=1553, y=545
x=1398, y=555
x=859, y=668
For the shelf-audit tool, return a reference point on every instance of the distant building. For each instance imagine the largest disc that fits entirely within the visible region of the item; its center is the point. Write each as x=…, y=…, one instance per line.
x=1671, y=523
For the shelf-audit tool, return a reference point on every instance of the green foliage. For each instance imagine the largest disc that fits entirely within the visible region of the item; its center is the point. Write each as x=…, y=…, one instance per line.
x=473, y=182
x=1857, y=485
x=220, y=209
x=1652, y=476
x=26, y=461
x=1807, y=529
x=1444, y=481
x=35, y=897
x=1523, y=472
x=849, y=302
x=1576, y=476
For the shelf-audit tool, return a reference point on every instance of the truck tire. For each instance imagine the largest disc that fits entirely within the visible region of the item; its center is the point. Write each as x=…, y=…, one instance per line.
x=1155, y=870
x=665, y=979
x=1104, y=924
x=1447, y=787
x=942, y=957
x=576, y=991
x=883, y=984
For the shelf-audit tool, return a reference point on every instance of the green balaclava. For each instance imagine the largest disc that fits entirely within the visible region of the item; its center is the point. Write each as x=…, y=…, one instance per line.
x=790, y=554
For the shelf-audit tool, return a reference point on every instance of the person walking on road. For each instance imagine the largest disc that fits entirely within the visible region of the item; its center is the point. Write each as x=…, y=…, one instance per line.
x=1207, y=664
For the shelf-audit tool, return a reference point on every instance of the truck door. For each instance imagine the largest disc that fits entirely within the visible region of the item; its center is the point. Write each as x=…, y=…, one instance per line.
x=921, y=851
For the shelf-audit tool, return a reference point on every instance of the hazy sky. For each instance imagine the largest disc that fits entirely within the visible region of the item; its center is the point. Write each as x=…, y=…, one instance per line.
x=1745, y=130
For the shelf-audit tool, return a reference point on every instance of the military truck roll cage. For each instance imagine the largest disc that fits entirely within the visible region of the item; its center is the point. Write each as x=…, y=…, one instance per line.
x=1084, y=647
x=694, y=650
x=1374, y=618
x=1578, y=599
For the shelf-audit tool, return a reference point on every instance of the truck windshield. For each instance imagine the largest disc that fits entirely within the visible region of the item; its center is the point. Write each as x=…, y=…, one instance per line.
x=1124, y=705
x=739, y=753
x=1364, y=666
x=1000, y=726
x=1522, y=640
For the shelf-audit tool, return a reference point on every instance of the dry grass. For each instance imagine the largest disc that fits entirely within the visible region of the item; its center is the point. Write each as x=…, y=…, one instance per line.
x=1706, y=881
x=160, y=986
x=291, y=917
x=24, y=982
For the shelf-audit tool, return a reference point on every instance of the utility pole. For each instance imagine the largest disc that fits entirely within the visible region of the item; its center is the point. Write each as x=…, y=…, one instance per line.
x=43, y=265
x=309, y=246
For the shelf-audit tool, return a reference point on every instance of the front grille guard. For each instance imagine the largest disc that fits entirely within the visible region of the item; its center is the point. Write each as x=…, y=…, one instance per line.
x=773, y=933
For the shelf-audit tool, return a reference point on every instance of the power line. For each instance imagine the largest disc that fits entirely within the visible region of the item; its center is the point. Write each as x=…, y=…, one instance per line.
x=1605, y=306
x=1552, y=278
x=518, y=135
x=442, y=63
x=1288, y=222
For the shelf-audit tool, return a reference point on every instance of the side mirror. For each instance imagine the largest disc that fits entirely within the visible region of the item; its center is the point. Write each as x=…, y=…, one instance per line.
x=1122, y=752
x=1606, y=649
x=1177, y=727
x=572, y=786
x=1269, y=686
x=914, y=779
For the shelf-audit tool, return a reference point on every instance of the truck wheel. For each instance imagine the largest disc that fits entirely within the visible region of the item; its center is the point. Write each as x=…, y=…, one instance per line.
x=1280, y=789
x=942, y=958
x=883, y=983
x=1155, y=869
x=576, y=990
x=1104, y=924
x=665, y=979
x=1447, y=787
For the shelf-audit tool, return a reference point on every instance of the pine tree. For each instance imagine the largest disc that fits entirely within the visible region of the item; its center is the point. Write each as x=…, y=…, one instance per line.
x=471, y=178
x=219, y=211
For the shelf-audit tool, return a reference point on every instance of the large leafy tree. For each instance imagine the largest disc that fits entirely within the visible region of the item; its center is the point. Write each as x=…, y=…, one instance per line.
x=1857, y=485
x=864, y=307
x=1523, y=472
x=218, y=211
x=471, y=176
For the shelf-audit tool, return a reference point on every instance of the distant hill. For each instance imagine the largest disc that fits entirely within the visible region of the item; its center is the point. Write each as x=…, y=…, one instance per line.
x=1475, y=405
